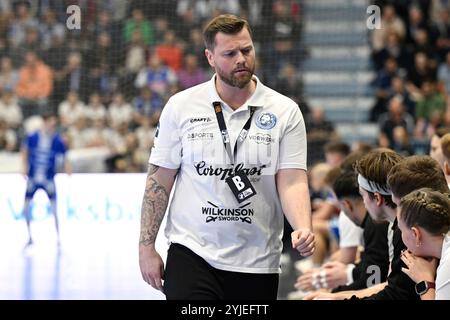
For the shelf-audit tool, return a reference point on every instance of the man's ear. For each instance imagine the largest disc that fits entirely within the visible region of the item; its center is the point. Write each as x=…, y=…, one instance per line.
x=379, y=199
x=446, y=168
x=209, y=56
x=347, y=205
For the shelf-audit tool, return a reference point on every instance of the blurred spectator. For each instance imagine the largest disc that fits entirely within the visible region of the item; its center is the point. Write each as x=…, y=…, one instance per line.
x=169, y=51
x=50, y=28
x=140, y=23
x=120, y=112
x=398, y=89
x=156, y=76
x=8, y=75
x=196, y=47
x=71, y=77
x=396, y=117
x=444, y=74
x=10, y=111
x=191, y=74
x=35, y=85
x=71, y=110
x=147, y=105
x=418, y=73
x=401, y=143
x=391, y=23
x=21, y=22
x=382, y=86
x=289, y=82
x=441, y=32
x=432, y=104
x=95, y=110
x=8, y=138
x=135, y=56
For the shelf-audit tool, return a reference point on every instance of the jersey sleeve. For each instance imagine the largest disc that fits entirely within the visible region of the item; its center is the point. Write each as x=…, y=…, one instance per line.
x=293, y=143
x=166, y=151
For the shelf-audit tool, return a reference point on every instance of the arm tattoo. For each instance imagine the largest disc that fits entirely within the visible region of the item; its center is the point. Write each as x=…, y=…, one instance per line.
x=154, y=206
x=152, y=169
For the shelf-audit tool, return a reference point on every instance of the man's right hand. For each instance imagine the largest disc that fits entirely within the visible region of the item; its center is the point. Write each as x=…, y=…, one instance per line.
x=152, y=266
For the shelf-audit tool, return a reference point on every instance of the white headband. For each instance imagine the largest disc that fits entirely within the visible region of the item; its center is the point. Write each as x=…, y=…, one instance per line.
x=372, y=186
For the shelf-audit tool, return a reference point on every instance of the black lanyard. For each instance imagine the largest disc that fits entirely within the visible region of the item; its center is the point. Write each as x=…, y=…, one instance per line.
x=224, y=131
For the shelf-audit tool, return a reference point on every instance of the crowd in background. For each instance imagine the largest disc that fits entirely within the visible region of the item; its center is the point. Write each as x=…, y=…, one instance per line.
x=109, y=80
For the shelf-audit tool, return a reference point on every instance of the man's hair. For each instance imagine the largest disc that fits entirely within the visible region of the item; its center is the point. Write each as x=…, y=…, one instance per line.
x=445, y=146
x=337, y=147
x=416, y=172
x=442, y=131
x=349, y=162
x=375, y=167
x=225, y=23
x=428, y=209
x=346, y=185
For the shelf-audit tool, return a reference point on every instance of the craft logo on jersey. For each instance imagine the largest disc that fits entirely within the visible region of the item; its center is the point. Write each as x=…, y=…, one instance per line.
x=204, y=119
x=241, y=214
x=266, y=120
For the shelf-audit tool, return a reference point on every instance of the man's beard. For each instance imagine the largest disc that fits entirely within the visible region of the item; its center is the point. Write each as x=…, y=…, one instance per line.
x=233, y=81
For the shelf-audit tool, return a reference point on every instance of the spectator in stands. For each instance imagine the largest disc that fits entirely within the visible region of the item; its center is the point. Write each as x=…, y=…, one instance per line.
x=95, y=110
x=335, y=153
x=21, y=22
x=289, y=82
x=120, y=111
x=401, y=143
x=140, y=23
x=419, y=72
x=135, y=56
x=70, y=110
x=8, y=75
x=432, y=103
x=8, y=138
x=71, y=77
x=50, y=28
x=441, y=32
x=444, y=75
x=191, y=74
x=10, y=111
x=424, y=220
x=147, y=105
x=382, y=86
x=396, y=117
x=35, y=85
x=398, y=89
x=156, y=76
x=391, y=23
x=169, y=51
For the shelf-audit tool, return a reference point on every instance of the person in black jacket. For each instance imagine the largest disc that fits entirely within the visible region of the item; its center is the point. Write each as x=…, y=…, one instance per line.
x=374, y=262
x=373, y=170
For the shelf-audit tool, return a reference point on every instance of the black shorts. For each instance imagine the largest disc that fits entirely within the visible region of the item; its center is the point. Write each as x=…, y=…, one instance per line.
x=189, y=277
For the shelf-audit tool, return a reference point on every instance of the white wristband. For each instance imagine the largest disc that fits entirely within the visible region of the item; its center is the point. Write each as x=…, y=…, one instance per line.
x=349, y=270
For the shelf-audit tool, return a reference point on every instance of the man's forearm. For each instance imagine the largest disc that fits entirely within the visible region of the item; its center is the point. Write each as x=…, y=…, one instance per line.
x=154, y=205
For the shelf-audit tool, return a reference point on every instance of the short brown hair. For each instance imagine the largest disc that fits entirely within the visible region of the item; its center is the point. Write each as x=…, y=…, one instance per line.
x=416, y=172
x=375, y=167
x=427, y=209
x=445, y=146
x=442, y=131
x=337, y=147
x=225, y=23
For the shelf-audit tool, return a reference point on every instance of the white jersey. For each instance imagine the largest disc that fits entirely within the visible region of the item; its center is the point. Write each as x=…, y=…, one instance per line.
x=443, y=272
x=204, y=215
x=350, y=235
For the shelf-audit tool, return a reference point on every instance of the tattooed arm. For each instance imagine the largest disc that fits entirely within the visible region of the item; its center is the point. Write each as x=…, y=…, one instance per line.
x=156, y=197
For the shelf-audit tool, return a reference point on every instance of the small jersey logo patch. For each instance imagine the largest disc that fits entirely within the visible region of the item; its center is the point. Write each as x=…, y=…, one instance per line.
x=266, y=120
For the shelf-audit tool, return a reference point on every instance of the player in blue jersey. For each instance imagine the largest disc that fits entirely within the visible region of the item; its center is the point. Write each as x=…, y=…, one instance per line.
x=40, y=151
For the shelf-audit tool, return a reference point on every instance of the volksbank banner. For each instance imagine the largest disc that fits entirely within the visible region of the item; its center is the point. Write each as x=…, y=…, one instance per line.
x=80, y=197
